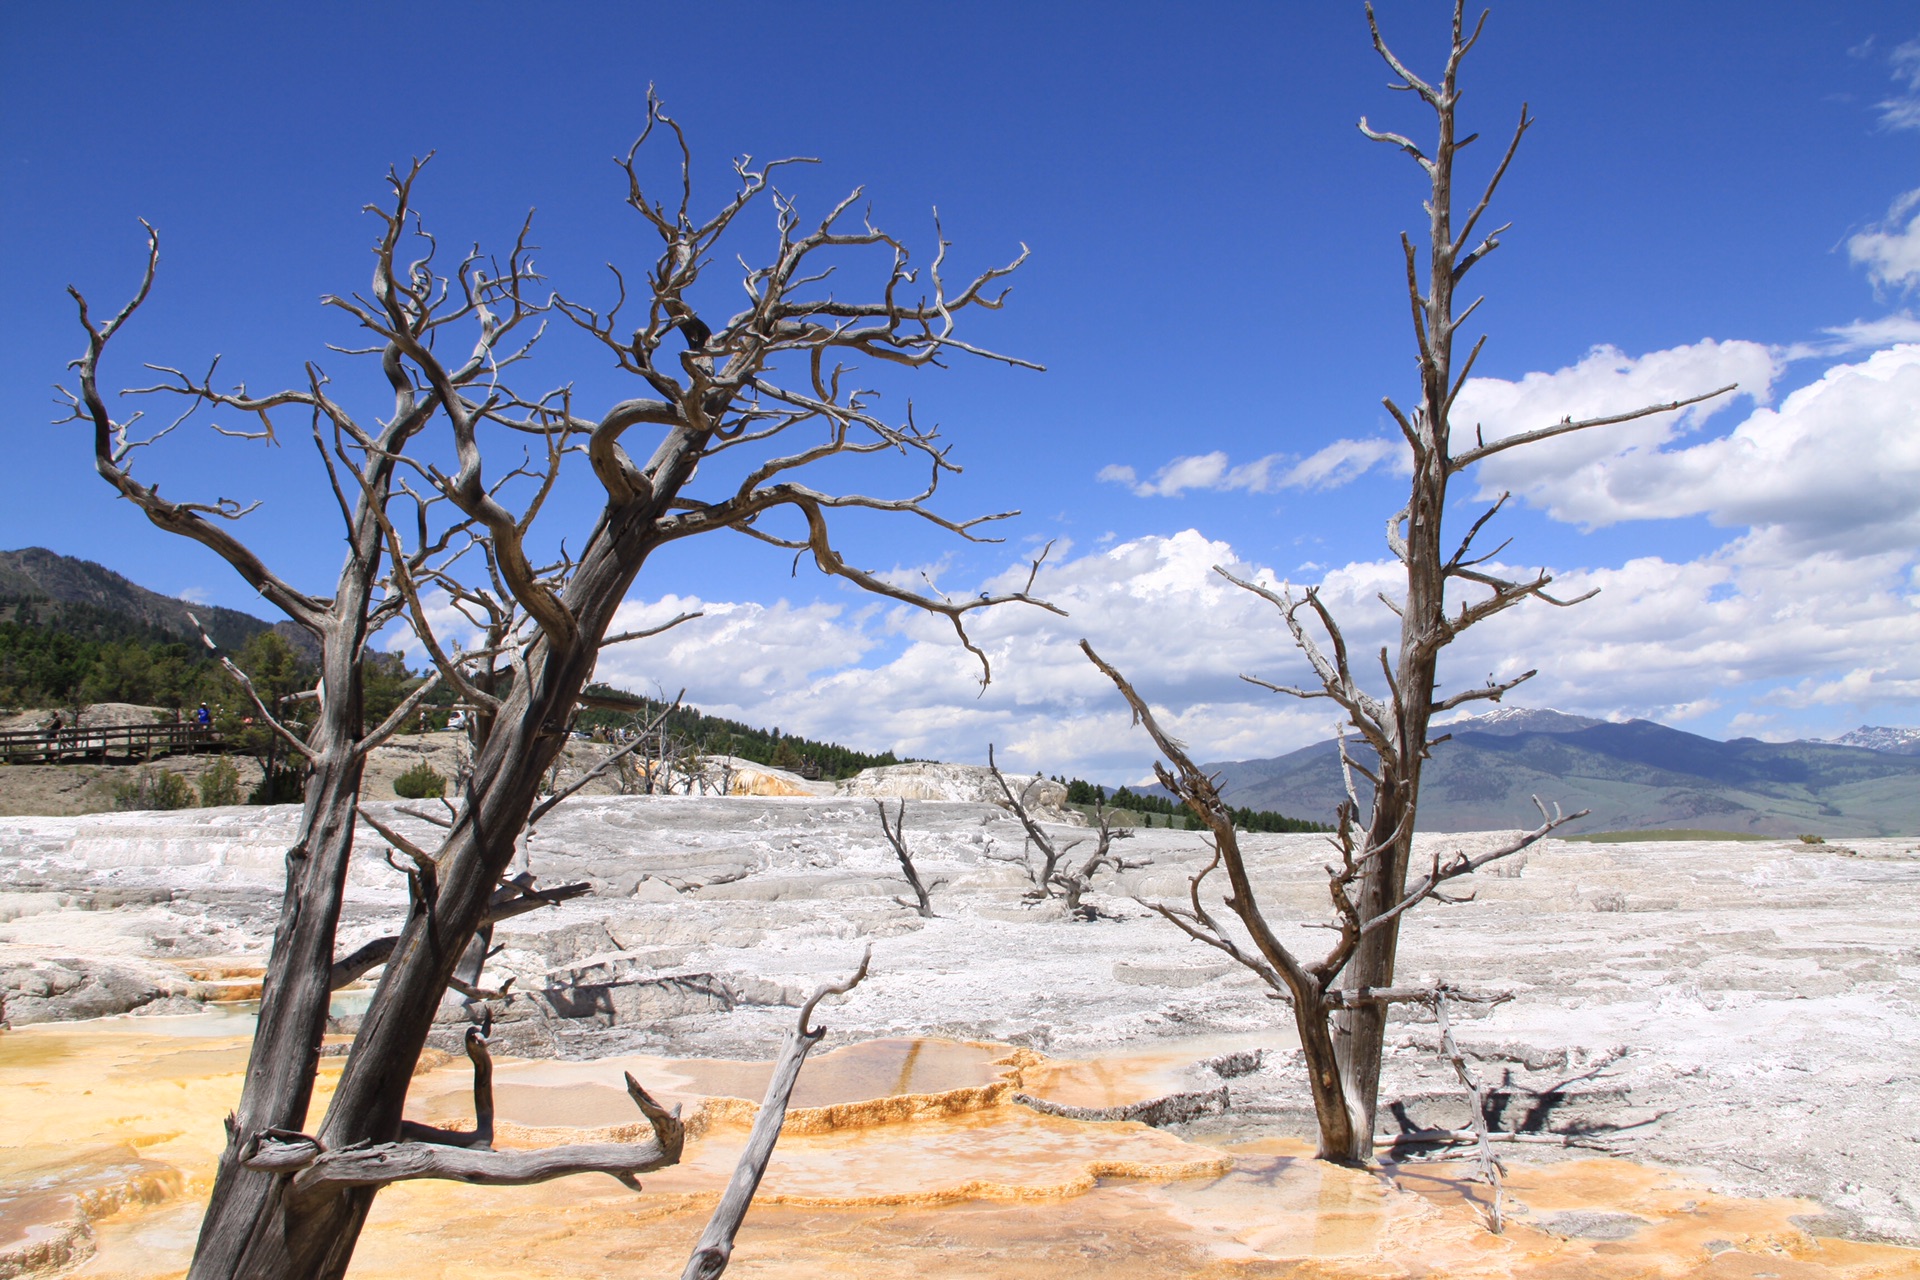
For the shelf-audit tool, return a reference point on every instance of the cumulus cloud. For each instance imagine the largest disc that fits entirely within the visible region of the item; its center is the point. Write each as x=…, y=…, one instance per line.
x=1606, y=381
x=1761, y=633
x=1890, y=250
x=1807, y=617
x=1757, y=625
x=896, y=678
x=1337, y=464
x=1837, y=463
x=756, y=650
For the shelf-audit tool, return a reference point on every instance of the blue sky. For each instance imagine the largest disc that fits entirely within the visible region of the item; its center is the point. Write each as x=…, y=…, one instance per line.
x=1712, y=189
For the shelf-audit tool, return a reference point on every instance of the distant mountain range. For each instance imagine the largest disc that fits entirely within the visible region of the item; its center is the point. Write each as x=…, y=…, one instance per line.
x=1901, y=742
x=37, y=574
x=1634, y=776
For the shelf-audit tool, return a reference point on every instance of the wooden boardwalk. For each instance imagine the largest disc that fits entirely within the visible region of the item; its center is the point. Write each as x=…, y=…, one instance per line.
x=130, y=742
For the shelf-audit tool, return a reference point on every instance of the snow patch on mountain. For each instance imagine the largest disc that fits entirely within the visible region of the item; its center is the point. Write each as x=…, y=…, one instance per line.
x=1874, y=737
x=1515, y=720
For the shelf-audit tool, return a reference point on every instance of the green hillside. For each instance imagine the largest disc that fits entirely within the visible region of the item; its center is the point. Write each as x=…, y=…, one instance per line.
x=715, y=735
x=36, y=574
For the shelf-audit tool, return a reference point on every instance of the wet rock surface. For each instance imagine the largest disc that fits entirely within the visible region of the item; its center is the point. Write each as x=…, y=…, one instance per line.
x=1748, y=1010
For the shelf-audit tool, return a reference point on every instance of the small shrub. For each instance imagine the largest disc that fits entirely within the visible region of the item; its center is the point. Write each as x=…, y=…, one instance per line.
x=153, y=789
x=220, y=785
x=420, y=783
x=281, y=786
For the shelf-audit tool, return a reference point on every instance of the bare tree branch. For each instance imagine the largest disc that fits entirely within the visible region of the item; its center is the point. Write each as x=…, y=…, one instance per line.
x=1565, y=426
x=241, y=678
x=715, y=1249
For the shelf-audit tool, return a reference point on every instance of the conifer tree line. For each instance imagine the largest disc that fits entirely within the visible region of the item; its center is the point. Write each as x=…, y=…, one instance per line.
x=709, y=735
x=64, y=654
x=1082, y=792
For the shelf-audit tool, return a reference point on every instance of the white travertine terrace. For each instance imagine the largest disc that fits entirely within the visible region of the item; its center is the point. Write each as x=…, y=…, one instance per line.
x=1761, y=998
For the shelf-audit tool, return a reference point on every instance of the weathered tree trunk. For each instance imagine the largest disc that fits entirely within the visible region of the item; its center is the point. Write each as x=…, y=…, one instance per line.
x=1340, y=1003
x=313, y=1236
x=293, y=1009
x=1361, y=1030
x=1328, y=1082
x=297, y=992
x=367, y=1106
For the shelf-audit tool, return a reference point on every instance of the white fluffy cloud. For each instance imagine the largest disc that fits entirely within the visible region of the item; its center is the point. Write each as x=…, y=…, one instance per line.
x=1836, y=464
x=1153, y=607
x=1607, y=381
x=1890, y=250
x=1766, y=636
x=1790, y=642
x=1807, y=619
x=1338, y=463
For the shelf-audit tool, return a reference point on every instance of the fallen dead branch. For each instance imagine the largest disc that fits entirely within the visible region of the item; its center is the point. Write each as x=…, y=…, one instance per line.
x=715, y=1250
x=468, y=1155
x=1175, y=1108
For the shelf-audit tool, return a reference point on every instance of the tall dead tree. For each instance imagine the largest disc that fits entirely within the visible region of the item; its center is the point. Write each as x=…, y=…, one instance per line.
x=751, y=403
x=1340, y=1001
x=361, y=463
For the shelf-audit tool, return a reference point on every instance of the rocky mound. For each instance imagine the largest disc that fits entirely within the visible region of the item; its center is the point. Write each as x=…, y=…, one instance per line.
x=965, y=783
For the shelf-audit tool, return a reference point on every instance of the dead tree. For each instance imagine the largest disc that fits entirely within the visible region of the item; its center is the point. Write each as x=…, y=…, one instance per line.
x=715, y=1248
x=1340, y=1001
x=361, y=464
x=1075, y=878
x=750, y=403
x=1054, y=869
x=897, y=837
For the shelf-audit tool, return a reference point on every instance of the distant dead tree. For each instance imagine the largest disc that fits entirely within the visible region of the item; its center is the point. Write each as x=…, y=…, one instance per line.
x=897, y=837
x=751, y=402
x=1054, y=870
x=1340, y=1001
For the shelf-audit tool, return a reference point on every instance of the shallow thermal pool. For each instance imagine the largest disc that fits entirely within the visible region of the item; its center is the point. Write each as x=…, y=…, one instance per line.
x=904, y=1159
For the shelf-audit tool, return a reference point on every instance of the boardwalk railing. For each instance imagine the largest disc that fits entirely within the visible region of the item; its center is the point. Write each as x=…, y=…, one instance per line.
x=133, y=741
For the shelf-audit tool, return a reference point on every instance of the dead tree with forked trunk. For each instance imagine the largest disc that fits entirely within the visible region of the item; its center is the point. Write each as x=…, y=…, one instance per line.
x=1054, y=869
x=751, y=404
x=896, y=834
x=362, y=464
x=1340, y=1001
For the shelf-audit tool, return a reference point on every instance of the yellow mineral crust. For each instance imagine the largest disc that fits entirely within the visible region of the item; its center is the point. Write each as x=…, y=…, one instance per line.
x=109, y=1132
